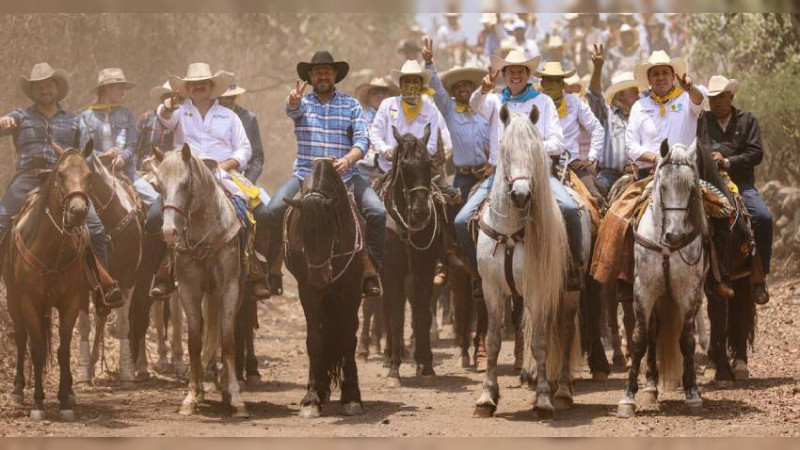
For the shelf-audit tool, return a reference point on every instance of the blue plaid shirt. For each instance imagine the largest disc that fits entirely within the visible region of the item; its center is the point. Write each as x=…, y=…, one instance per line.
x=151, y=131
x=327, y=130
x=34, y=131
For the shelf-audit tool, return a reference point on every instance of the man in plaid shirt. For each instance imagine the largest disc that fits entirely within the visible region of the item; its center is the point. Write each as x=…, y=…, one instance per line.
x=328, y=124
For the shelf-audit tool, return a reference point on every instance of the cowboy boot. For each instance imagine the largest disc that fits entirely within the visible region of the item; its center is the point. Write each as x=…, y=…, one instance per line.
x=442, y=272
x=163, y=282
x=259, y=285
x=371, y=286
x=108, y=295
x=760, y=294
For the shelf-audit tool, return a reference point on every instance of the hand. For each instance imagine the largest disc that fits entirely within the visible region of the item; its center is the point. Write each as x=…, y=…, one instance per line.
x=427, y=50
x=389, y=154
x=296, y=96
x=228, y=165
x=341, y=165
x=117, y=163
x=172, y=102
x=488, y=82
x=717, y=157
x=7, y=123
x=113, y=152
x=597, y=54
x=685, y=81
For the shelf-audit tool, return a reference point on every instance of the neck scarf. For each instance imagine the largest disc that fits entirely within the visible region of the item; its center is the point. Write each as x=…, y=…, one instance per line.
x=464, y=108
x=104, y=107
x=411, y=112
x=662, y=101
x=527, y=94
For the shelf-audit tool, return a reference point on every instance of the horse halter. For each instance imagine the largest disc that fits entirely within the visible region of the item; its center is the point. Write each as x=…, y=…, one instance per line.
x=432, y=215
x=64, y=200
x=693, y=196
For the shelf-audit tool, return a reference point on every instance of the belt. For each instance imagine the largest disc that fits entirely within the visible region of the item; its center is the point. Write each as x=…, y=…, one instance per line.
x=479, y=171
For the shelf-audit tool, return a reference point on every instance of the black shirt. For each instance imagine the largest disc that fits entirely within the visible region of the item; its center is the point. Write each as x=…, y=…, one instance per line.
x=740, y=142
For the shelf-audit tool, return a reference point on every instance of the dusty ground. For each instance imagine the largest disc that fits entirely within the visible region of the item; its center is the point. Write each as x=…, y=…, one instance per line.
x=768, y=404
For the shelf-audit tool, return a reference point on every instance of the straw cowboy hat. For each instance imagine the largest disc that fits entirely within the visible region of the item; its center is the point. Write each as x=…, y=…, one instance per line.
x=658, y=58
x=110, y=76
x=157, y=92
x=43, y=71
x=411, y=68
x=488, y=19
x=458, y=74
x=362, y=91
x=625, y=28
x=233, y=88
x=554, y=69
x=201, y=72
x=322, y=58
x=555, y=41
x=515, y=58
x=619, y=82
x=719, y=84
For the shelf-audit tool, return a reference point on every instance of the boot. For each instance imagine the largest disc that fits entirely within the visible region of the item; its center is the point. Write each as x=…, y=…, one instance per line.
x=371, y=286
x=108, y=293
x=442, y=272
x=760, y=294
x=723, y=290
x=163, y=283
x=259, y=286
x=481, y=360
x=519, y=347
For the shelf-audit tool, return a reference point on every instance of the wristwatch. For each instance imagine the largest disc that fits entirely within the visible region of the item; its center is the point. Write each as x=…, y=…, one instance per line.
x=726, y=163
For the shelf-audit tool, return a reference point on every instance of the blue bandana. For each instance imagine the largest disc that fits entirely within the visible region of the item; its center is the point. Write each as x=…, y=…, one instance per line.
x=528, y=94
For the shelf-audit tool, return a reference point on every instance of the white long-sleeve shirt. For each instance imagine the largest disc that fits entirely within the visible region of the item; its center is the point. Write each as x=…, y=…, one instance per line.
x=647, y=129
x=488, y=106
x=390, y=114
x=218, y=136
x=579, y=114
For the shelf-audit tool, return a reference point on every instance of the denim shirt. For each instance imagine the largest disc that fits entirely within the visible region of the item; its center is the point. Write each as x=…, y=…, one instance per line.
x=150, y=131
x=120, y=119
x=33, y=134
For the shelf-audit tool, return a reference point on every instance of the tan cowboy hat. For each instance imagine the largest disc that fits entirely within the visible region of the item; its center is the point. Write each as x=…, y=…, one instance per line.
x=233, y=88
x=111, y=76
x=157, y=92
x=719, y=84
x=515, y=58
x=658, y=58
x=362, y=91
x=201, y=72
x=555, y=41
x=411, y=67
x=554, y=69
x=43, y=71
x=458, y=74
x=619, y=82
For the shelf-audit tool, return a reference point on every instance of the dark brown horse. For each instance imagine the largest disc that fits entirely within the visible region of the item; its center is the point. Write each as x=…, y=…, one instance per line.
x=44, y=269
x=324, y=251
x=413, y=244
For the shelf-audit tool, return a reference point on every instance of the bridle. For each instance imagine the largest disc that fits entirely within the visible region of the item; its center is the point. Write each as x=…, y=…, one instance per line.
x=432, y=214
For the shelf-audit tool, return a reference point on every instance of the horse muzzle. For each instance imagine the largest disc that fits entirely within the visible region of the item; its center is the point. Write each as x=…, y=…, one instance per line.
x=319, y=277
x=75, y=213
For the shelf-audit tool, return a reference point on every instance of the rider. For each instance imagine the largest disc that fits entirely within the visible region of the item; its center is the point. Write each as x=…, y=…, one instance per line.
x=150, y=130
x=35, y=129
x=212, y=132
x=250, y=123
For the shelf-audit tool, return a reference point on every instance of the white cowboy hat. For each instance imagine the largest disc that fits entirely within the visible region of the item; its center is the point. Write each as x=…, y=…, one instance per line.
x=719, y=84
x=43, y=71
x=233, y=88
x=112, y=76
x=554, y=69
x=658, y=58
x=619, y=82
x=626, y=28
x=410, y=68
x=201, y=72
x=488, y=19
x=157, y=92
x=362, y=91
x=458, y=74
x=515, y=58
x=517, y=24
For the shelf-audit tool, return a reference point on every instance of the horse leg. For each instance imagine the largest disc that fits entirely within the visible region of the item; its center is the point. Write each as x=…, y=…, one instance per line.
x=194, y=316
x=742, y=319
x=176, y=342
x=543, y=409
x=66, y=323
x=378, y=326
x=231, y=303
x=126, y=369
x=650, y=390
x=311, y=404
x=433, y=303
x=495, y=306
x=598, y=363
x=21, y=340
x=157, y=313
x=719, y=367
x=394, y=294
x=568, y=314
x=479, y=341
x=351, y=393
x=627, y=404
x=688, y=344
x=367, y=309
x=612, y=319
x=422, y=320
x=702, y=332
x=38, y=349
x=463, y=307
x=82, y=371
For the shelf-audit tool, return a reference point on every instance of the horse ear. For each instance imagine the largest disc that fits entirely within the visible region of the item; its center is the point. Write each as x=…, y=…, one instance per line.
x=88, y=149
x=59, y=150
x=427, y=136
x=504, y=115
x=534, y=115
x=664, y=148
x=186, y=153
x=396, y=134
x=294, y=203
x=157, y=152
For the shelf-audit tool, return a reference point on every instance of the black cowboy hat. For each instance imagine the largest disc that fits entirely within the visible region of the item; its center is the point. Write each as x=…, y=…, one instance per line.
x=321, y=58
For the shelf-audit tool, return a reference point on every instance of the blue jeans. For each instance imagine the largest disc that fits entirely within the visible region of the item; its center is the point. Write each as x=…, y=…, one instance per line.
x=367, y=201
x=572, y=219
x=463, y=217
x=146, y=192
x=606, y=178
x=464, y=183
x=19, y=188
x=762, y=222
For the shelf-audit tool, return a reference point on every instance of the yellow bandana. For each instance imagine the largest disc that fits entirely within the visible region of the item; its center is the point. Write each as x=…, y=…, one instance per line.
x=463, y=108
x=412, y=111
x=561, y=107
x=103, y=107
x=662, y=101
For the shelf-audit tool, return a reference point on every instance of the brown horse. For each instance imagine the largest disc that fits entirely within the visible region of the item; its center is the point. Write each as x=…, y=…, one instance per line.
x=44, y=269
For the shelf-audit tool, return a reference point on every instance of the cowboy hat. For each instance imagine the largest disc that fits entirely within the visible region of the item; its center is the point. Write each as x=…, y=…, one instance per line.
x=658, y=58
x=159, y=91
x=362, y=91
x=322, y=58
x=719, y=84
x=43, y=71
x=554, y=69
x=201, y=72
x=233, y=88
x=410, y=68
x=625, y=28
x=111, y=76
x=488, y=19
x=515, y=58
x=619, y=82
x=555, y=41
x=458, y=74
x=408, y=46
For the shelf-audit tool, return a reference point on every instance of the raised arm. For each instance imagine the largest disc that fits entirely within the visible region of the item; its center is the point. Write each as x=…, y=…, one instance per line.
x=294, y=102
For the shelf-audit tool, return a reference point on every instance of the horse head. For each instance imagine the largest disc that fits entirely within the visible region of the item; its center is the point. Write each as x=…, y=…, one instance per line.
x=71, y=184
x=176, y=175
x=413, y=171
x=519, y=137
x=677, y=193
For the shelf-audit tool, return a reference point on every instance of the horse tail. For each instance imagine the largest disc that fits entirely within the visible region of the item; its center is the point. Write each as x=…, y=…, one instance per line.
x=669, y=319
x=212, y=313
x=334, y=321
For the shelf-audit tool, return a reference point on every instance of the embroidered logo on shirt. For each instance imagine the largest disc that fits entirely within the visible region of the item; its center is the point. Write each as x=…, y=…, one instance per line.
x=393, y=113
x=676, y=107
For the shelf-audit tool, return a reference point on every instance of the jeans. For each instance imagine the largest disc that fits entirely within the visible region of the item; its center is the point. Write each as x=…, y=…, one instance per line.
x=367, y=201
x=146, y=192
x=606, y=179
x=463, y=217
x=762, y=222
x=19, y=188
x=464, y=183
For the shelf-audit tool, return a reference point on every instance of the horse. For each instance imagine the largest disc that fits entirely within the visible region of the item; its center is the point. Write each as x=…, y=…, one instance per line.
x=119, y=209
x=45, y=269
x=522, y=253
x=414, y=222
x=201, y=226
x=670, y=266
x=323, y=248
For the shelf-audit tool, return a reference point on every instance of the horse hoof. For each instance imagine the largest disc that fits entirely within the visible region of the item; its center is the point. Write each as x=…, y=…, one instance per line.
x=484, y=411
x=37, y=414
x=543, y=415
x=187, y=409
x=17, y=399
x=161, y=367
x=361, y=357
x=600, y=376
x=724, y=384
x=393, y=382
x=309, y=411
x=741, y=374
x=696, y=409
x=209, y=387
x=563, y=403
x=71, y=400
x=201, y=397
x=352, y=409
x=253, y=380
x=626, y=411
x=67, y=415
x=427, y=380
x=465, y=362
x=240, y=412
x=649, y=397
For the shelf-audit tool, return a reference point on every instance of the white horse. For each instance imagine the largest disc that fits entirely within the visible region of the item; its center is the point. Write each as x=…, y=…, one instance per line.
x=671, y=262
x=523, y=226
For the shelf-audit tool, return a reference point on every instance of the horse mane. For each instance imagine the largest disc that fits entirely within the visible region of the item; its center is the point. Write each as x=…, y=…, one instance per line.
x=681, y=154
x=326, y=181
x=108, y=178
